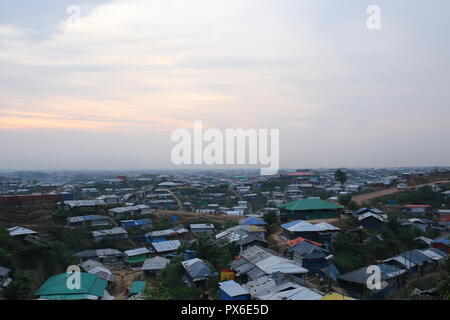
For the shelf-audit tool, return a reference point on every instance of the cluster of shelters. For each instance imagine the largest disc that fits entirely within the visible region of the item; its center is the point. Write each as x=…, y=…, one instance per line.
x=321, y=232
x=261, y=274
x=394, y=272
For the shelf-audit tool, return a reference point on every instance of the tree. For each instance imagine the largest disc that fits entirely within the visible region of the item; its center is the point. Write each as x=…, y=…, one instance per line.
x=443, y=288
x=349, y=253
x=344, y=199
x=219, y=257
x=20, y=287
x=340, y=176
x=171, y=286
x=229, y=224
x=353, y=206
x=270, y=217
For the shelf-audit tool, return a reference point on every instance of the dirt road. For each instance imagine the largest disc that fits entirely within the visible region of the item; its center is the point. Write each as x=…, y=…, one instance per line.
x=360, y=198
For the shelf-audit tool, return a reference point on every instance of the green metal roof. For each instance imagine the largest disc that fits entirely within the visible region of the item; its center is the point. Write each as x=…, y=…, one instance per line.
x=138, y=287
x=138, y=259
x=56, y=286
x=310, y=204
x=80, y=296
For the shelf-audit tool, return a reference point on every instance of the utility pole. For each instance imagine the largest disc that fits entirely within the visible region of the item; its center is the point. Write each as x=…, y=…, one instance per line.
x=328, y=258
x=206, y=293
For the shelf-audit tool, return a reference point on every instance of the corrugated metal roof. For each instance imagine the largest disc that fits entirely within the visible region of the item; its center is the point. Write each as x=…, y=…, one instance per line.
x=164, y=246
x=161, y=233
x=197, y=269
x=255, y=272
x=306, y=247
x=129, y=208
x=136, y=252
x=232, y=288
x=4, y=271
x=98, y=269
x=113, y=231
x=84, y=203
x=267, y=263
x=434, y=254
x=300, y=293
x=156, y=263
x=202, y=226
x=277, y=264
x=20, y=231
x=108, y=252
x=390, y=271
x=359, y=276
x=301, y=226
x=261, y=284
x=327, y=227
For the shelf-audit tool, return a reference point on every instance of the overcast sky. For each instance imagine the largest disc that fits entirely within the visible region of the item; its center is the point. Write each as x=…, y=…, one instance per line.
x=106, y=92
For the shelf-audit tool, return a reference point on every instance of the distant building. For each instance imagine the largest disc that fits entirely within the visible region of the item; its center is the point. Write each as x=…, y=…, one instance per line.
x=101, y=255
x=142, y=224
x=139, y=209
x=113, y=234
x=91, y=205
x=136, y=257
x=88, y=221
x=202, y=228
x=416, y=209
x=110, y=199
x=166, y=247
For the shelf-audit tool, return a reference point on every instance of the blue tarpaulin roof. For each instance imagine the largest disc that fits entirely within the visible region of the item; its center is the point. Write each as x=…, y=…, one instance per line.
x=143, y=222
x=290, y=224
x=442, y=240
x=133, y=223
x=127, y=223
x=252, y=221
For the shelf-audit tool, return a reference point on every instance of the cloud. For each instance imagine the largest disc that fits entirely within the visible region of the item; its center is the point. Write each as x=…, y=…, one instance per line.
x=9, y=32
x=130, y=68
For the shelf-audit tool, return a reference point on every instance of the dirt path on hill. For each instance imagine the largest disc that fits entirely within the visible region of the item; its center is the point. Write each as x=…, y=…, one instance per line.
x=180, y=205
x=276, y=240
x=361, y=198
x=124, y=279
x=188, y=215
